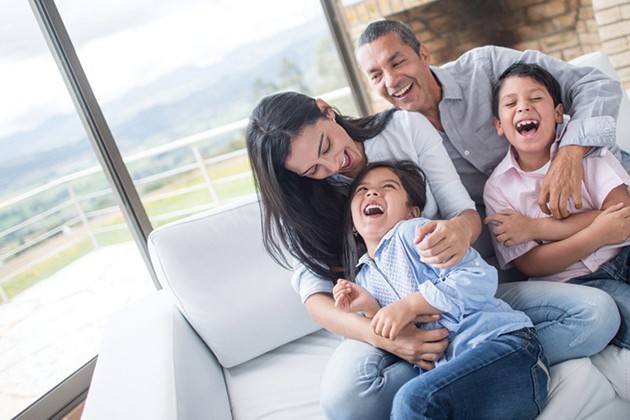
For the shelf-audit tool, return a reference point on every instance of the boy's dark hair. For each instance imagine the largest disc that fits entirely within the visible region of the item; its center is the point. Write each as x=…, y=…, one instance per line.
x=522, y=69
x=413, y=181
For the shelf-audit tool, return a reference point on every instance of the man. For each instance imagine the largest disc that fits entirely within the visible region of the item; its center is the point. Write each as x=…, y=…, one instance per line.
x=456, y=99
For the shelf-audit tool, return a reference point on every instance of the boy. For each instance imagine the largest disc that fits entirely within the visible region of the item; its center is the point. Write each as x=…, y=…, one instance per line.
x=587, y=248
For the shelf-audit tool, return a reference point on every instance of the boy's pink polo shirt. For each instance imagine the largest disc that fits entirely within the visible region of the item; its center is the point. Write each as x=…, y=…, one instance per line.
x=509, y=187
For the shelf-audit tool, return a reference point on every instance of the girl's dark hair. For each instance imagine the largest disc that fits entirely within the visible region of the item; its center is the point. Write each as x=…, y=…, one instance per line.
x=522, y=69
x=413, y=181
x=300, y=215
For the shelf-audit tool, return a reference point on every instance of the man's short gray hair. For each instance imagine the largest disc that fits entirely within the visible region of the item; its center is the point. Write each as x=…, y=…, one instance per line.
x=381, y=27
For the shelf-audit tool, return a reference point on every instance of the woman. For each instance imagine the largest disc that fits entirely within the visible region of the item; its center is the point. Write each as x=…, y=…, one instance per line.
x=304, y=155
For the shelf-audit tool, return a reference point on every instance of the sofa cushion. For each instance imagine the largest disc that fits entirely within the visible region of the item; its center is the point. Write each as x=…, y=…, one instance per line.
x=220, y=276
x=600, y=61
x=284, y=383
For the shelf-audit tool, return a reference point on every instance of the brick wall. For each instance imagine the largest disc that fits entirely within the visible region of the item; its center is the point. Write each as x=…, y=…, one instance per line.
x=561, y=28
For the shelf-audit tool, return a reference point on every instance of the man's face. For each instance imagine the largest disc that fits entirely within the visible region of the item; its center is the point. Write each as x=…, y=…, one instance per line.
x=398, y=73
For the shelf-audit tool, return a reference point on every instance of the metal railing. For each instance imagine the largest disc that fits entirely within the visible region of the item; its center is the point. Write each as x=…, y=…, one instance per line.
x=82, y=221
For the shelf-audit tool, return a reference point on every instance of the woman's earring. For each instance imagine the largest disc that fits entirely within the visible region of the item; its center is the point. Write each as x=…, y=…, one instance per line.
x=354, y=232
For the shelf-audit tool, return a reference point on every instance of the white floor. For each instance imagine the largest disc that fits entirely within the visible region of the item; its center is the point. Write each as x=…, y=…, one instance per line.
x=54, y=327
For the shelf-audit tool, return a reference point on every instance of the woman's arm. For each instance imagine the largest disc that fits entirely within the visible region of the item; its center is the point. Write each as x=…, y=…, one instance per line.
x=416, y=346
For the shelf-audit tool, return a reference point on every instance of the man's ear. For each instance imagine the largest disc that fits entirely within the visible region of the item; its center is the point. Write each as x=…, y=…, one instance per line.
x=497, y=125
x=414, y=212
x=425, y=54
x=324, y=107
x=559, y=113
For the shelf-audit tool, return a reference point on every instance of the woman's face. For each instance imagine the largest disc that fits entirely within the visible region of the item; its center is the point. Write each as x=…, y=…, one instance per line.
x=324, y=149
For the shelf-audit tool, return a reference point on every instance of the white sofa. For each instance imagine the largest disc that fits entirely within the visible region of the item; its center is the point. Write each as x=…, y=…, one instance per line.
x=227, y=338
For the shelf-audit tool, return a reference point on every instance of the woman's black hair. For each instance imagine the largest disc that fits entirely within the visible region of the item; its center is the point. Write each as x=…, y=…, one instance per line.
x=300, y=215
x=413, y=181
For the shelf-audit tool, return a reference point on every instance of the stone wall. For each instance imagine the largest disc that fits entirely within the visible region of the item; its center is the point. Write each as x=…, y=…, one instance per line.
x=561, y=28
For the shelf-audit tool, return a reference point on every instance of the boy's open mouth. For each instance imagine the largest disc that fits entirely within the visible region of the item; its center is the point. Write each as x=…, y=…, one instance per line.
x=527, y=128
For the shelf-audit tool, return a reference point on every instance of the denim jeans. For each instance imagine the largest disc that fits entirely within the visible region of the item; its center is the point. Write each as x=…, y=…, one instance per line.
x=502, y=378
x=613, y=277
x=572, y=321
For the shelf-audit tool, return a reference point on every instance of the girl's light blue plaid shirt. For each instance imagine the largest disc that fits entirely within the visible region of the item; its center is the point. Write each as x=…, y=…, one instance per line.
x=463, y=293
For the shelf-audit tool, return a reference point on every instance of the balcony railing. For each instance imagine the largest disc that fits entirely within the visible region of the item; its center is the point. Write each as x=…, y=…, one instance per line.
x=82, y=217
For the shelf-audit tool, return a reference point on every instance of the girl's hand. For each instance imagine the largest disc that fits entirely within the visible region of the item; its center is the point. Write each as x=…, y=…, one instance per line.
x=512, y=228
x=389, y=320
x=351, y=297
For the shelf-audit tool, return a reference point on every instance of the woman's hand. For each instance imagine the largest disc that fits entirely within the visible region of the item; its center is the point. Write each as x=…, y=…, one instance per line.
x=417, y=346
x=448, y=240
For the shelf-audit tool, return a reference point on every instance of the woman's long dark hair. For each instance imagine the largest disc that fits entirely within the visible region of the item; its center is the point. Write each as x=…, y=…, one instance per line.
x=413, y=181
x=300, y=215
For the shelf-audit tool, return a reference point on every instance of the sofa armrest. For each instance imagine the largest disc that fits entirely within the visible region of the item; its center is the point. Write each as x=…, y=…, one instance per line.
x=153, y=365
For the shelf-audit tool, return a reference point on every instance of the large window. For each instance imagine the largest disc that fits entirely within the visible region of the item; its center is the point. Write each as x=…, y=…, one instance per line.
x=175, y=81
x=66, y=255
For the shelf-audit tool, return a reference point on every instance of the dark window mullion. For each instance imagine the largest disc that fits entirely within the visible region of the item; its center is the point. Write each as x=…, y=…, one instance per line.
x=94, y=122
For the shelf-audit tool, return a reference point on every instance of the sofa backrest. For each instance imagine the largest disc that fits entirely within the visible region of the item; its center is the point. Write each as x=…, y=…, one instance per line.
x=232, y=293
x=600, y=61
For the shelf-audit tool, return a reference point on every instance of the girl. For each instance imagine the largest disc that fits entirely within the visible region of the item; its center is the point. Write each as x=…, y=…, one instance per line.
x=493, y=350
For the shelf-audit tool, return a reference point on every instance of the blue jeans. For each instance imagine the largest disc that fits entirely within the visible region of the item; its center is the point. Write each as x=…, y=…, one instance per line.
x=502, y=378
x=572, y=321
x=613, y=277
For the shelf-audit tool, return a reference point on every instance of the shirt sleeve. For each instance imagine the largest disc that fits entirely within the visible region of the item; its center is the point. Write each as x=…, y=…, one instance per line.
x=590, y=98
x=446, y=186
x=601, y=175
x=458, y=290
x=306, y=283
x=463, y=289
x=496, y=202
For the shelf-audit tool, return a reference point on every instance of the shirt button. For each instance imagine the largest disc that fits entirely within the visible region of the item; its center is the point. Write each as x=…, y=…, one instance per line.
x=466, y=152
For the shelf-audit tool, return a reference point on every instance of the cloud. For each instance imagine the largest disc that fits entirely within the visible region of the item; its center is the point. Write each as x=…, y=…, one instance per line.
x=124, y=44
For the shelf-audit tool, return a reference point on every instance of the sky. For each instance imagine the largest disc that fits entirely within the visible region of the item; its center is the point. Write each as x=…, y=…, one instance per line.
x=123, y=44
